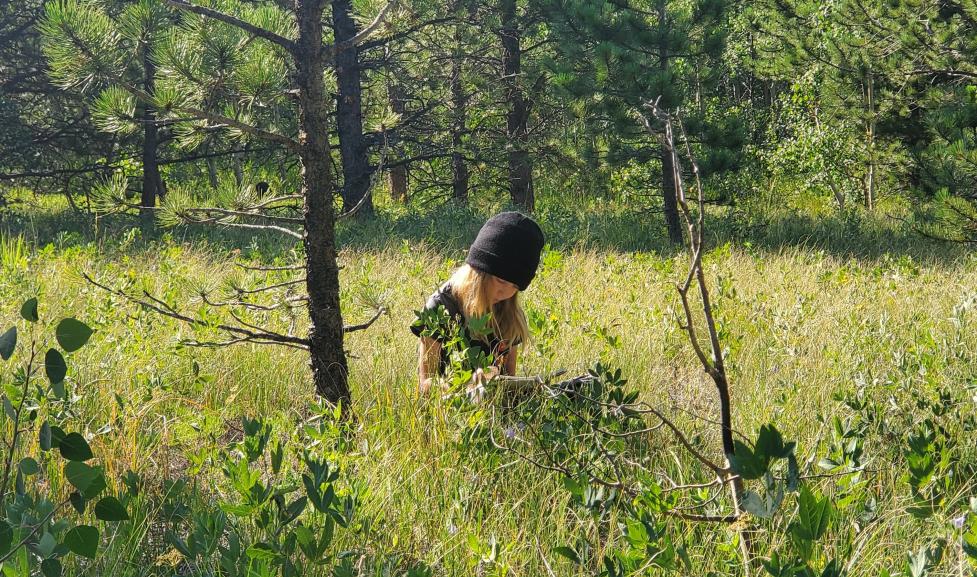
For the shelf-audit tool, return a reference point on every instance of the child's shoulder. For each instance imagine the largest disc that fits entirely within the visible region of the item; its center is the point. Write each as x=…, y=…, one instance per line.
x=442, y=297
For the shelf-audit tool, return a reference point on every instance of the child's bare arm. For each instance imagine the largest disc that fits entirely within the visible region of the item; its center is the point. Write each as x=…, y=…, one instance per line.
x=428, y=359
x=510, y=361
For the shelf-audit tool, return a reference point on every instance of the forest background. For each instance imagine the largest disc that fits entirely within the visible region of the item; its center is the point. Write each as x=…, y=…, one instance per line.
x=215, y=189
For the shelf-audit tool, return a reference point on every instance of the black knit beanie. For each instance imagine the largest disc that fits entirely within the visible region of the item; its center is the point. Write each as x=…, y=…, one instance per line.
x=508, y=246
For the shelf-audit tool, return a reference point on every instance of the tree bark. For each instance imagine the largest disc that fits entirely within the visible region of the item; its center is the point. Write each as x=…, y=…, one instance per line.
x=397, y=176
x=328, y=359
x=521, y=191
x=152, y=182
x=349, y=112
x=459, y=103
x=670, y=205
x=870, y=133
x=670, y=209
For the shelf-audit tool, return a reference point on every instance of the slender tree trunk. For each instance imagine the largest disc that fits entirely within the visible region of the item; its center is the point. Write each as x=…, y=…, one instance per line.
x=670, y=209
x=397, y=176
x=521, y=191
x=349, y=111
x=328, y=359
x=459, y=113
x=870, y=101
x=670, y=205
x=211, y=169
x=152, y=183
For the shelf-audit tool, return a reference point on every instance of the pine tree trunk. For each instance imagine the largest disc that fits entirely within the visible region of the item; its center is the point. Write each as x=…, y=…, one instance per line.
x=328, y=359
x=670, y=205
x=397, y=175
x=670, y=208
x=870, y=102
x=459, y=103
x=152, y=183
x=349, y=112
x=517, y=115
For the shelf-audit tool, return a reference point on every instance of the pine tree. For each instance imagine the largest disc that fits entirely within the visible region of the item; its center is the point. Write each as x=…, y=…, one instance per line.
x=228, y=69
x=617, y=55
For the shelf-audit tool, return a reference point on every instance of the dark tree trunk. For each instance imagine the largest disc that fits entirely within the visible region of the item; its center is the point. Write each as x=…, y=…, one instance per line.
x=328, y=359
x=152, y=182
x=672, y=221
x=670, y=206
x=397, y=176
x=459, y=113
x=349, y=111
x=517, y=113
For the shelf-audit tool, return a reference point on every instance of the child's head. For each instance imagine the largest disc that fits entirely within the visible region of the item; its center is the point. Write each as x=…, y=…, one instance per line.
x=508, y=246
x=501, y=262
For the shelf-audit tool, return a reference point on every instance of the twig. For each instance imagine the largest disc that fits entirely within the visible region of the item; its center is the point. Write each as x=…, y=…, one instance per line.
x=260, y=336
x=363, y=326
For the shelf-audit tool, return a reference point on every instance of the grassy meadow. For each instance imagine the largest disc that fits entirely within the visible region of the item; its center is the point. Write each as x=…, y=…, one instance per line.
x=817, y=312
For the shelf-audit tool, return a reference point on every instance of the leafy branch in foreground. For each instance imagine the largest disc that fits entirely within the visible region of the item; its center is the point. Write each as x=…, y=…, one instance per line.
x=35, y=533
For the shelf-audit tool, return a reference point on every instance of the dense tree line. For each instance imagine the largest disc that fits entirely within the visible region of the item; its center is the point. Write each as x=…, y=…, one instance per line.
x=514, y=98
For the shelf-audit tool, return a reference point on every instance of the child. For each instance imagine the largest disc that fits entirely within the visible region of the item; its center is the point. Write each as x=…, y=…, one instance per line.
x=501, y=262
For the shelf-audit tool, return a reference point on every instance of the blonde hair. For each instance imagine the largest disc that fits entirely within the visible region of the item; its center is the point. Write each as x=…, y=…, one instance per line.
x=470, y=287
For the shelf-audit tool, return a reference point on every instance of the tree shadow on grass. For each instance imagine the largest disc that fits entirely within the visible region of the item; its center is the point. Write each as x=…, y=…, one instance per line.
x=65, y=228
x=449, y=229
x=850, y=236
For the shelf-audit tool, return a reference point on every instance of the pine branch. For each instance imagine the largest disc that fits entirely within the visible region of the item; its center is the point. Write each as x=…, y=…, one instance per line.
x=331, y=50
x=258, y=31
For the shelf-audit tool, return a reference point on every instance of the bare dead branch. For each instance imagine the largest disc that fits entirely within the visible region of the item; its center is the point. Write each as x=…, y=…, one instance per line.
x=363, y=326
x=216, y=214
x=330, y=51
x=271, y=268
x=241, y=334
x=266, y=288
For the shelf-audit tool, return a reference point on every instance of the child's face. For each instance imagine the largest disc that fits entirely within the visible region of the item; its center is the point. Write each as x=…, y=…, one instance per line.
x=501, y=289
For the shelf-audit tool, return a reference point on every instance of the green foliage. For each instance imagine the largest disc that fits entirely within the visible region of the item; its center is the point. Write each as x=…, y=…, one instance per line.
x=31, y=520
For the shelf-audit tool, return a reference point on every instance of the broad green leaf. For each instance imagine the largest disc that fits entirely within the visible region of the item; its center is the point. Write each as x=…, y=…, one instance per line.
x=110, y=509
x=567, y=552
x=80, y=475
x=770, y=444
x=54, y=366
x=51, y=568
x=745, y=463
x=74, y=447
x=44, y=436
x=77, y=502
x=97, y=486
x=918, y=564
x=6, y=537
x=72, y=334
x=8, y=341
x=813, y=515
x=29, y=466
x=46, y=545
x=82, y=540
x=756, y=505
x=57, y=435
x=262, y=551
x=28, y=311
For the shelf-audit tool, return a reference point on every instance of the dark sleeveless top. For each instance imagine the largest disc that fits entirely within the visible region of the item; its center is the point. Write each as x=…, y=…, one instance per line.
x=436, y=329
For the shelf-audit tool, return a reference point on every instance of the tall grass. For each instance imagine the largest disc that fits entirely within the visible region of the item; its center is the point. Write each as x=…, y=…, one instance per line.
x=806, y=321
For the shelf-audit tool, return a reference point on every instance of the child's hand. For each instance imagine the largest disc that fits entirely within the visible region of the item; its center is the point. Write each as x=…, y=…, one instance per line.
x=476, y=387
